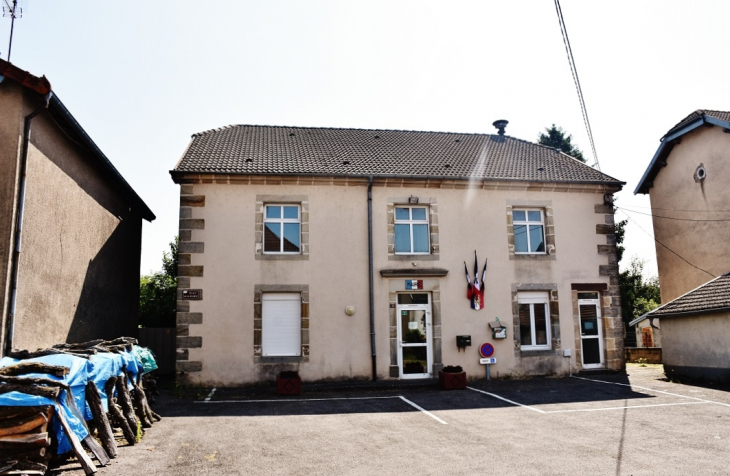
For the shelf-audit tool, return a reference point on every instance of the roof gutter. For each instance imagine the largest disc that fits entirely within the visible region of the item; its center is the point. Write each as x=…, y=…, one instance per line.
x=57, y=107
x=18, y=231
x=690, y=313
x=666, y=146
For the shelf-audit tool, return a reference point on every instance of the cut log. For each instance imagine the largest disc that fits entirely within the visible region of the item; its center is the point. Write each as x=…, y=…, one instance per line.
x=125, y=400
x=96, y=450
x=103, y=428
x=28, y=440
x=116, y=414
x=22, y=368
x=33, y=381
x=148, y=409
x=29, y=467
x=84, y=460
x=35, y=454
x=80, y=345
x=14, y=427
x=48, y=392
x=23, y=412
x=140, y=402
x=26, y=354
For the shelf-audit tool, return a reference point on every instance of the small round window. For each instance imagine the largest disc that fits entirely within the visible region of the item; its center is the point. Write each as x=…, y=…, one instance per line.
x=700, y=173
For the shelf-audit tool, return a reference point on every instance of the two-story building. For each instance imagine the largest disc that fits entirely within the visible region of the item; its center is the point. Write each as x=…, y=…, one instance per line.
x=342, y=253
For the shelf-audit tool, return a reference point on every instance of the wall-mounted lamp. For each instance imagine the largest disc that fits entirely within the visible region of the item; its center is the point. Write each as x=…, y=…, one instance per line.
x=412, y=200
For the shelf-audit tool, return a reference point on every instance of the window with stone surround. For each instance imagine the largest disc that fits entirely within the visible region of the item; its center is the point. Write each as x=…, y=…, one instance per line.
x=412, y=229
x=534, y=319
x=281, y=323
x=282, y=227
x=530, y=230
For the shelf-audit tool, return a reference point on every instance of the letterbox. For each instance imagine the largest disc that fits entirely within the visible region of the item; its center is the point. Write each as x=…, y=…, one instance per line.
x=463, y=341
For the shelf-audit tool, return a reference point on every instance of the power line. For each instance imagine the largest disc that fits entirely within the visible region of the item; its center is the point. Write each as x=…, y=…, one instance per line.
x=675, y=218
x=576, y=80
x=665, y=246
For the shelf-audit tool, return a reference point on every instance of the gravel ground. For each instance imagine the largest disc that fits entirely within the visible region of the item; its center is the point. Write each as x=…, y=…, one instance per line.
x=634, y=424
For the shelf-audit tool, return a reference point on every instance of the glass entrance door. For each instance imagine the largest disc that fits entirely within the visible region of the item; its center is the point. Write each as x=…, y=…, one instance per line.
x=414, y=335
x=591, y=332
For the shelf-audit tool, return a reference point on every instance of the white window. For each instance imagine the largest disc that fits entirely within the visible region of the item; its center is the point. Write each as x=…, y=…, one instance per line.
x=529, y=230
x=534, y=314
x=411, y=230
x=281, y=324
x=282, y=229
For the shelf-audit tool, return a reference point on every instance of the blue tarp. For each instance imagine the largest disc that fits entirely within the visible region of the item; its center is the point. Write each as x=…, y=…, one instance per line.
x=79, y=371
x=99, y=368
x=146, y=357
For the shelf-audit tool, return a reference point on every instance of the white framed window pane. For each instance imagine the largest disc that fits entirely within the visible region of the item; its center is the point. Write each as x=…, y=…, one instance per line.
x=525, y=325
x=272, y=237
x=518, y=215
x=537, y=244
x=418, y=213
x=521, y=238
x=420, y=238
x=534, y=215
x=291, y=212
x=402, y=214
x=281, y=324
x=291, y=237
x=273, y=212
x=541, y=323
x=402, y=238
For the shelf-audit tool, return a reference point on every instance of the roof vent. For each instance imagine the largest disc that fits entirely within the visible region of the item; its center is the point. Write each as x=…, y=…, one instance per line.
x=500, y=125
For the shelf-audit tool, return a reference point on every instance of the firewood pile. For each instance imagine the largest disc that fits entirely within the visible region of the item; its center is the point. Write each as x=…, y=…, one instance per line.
x=98, y=372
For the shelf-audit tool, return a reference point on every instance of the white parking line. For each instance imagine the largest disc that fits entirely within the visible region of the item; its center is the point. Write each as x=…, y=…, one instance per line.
x=506, y=400
x=293, y=400
x=210, y=395
x=424, y=411
x=625, y=407
x=703, y=400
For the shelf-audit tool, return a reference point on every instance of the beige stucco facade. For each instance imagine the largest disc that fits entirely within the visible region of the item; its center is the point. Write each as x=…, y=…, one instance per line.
x=676, y=194
x=219, y=335
x=78, y=268
x=695, y=346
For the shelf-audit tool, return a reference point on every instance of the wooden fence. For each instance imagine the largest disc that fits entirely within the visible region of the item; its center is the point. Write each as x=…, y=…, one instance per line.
x=162, y=342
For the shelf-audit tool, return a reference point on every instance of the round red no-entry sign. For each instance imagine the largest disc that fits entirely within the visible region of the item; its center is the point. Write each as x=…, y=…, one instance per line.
x=486, y=350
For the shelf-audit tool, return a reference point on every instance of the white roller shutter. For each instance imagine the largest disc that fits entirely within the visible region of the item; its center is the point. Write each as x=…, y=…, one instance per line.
x=281, y=324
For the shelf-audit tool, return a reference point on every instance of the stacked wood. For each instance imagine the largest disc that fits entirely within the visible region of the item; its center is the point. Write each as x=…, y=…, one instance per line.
x=24, y=439
x=125, y=411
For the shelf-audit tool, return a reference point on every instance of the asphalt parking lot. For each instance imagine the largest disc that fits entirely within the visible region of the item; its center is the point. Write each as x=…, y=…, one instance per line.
x=633, y=424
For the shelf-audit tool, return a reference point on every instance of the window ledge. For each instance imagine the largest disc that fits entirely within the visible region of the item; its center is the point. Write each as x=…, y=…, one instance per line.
x=280, y=360
x=538, y=353
x=411, y=272
x=281, y=257
x=424, y=257
x=535, y=257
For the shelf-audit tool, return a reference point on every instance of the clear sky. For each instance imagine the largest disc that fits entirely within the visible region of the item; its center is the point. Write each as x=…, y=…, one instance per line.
x=142, y=76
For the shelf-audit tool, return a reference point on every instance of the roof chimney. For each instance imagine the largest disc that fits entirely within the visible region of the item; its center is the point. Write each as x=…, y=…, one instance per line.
x=500, y=125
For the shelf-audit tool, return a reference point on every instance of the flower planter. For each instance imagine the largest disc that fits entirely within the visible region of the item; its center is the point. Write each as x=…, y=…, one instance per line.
x=452, y=381
x=289, y=385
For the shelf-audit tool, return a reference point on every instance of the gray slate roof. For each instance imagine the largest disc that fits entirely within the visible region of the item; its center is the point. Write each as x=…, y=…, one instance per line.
x=250, y=149
x=721, y=115
x=711, y=296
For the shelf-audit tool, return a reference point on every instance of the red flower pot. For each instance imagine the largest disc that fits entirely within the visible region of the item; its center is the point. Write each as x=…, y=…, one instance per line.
x=452, y=381
x=289, y=386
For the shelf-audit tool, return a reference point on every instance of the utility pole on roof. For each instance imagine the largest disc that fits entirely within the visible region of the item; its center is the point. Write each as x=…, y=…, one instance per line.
x=13, y=11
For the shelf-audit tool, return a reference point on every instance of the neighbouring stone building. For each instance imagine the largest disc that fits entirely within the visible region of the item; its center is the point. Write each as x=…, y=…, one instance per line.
x=341, y=253
x=70, y=225
x=687, y=182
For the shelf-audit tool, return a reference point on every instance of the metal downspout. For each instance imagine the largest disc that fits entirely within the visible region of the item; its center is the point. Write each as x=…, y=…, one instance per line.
x=17, y=238
x=372, y=285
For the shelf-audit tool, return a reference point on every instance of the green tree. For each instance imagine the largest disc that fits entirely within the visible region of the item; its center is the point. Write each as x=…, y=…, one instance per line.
x=557, y=138
x=639, y=295
x=158, y=292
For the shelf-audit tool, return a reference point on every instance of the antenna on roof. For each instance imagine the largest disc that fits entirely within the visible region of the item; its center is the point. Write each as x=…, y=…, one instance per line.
x=12, y=10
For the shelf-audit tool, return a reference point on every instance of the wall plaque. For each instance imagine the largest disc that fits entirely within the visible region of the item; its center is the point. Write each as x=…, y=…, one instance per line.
x=192, y=294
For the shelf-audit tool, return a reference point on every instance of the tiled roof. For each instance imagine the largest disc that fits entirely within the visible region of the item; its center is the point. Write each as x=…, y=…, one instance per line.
x=711, y=296
x=248, y=149
x=721, y=115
